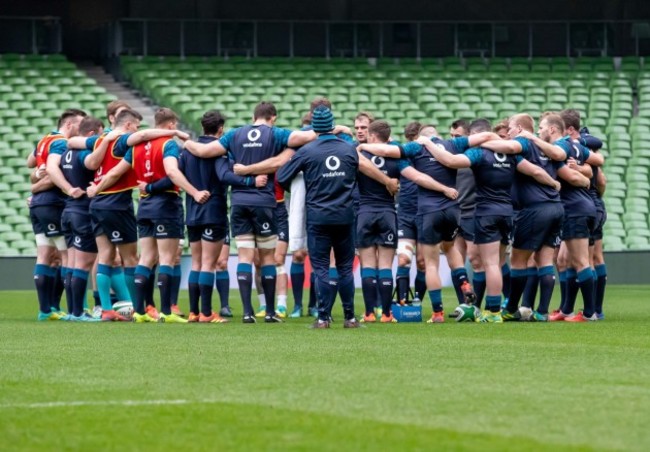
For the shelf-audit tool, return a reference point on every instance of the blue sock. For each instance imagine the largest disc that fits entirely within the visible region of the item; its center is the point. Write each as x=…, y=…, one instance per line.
x=402, y=282
x=385, y=283
x=176, y=284
x=563, y=289
x=436, y=299
x=479, y=287
x=78, y=284
x=245, y=281
x=96, y=298
x=586, y=282
x=493, y=303
x=129, y=282
x=518, y=280
x=206, y=283
x=165, y=273
x=530, y=292
x=269, y=277
x=505, y=273
x=458, y=277
x=66, y=275
x=297, y=275
x=546, y=277
x=42, y=290
x=420, y=285
x=369, y=288
x=601, y=282
x=141, y=280
x=119, y=284
x=104, y=286
x=223, y=287
x=194, y=292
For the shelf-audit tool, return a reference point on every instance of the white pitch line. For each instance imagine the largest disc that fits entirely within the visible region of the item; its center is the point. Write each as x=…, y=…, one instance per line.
x=73, y=403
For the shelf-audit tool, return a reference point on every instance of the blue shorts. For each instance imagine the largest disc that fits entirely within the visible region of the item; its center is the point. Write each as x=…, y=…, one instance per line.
x=46, y=220
x=407, y=227
x=601, y=218
x=439, y=226
x=377, y=228
x=282, y=221
x=580, y=227
x=78, y=231
x=258, y=221
x=538, y=226
x=164, y=228
x=466, y=229
x=118, y=225
x=208, y=232
x=492, y=228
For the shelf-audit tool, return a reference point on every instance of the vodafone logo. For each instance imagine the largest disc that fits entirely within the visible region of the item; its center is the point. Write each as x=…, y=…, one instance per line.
x=115, y=234
x=77, y=240
x=379, y=162
x=51, y=227
x=208, y=232
x=254, y=135
x=333, y=163
x=500, y=157
x=160, y=228
x=68, y=157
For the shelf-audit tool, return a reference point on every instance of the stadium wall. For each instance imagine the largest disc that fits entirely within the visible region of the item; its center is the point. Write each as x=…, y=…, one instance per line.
x=628, y=267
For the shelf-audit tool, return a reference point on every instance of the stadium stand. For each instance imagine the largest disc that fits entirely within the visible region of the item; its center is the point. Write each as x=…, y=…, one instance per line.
x=613, y=97
x=34, y=90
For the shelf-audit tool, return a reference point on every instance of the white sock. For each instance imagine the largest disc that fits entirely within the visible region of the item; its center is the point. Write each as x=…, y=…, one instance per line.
x=282, y=301
x=262, y=299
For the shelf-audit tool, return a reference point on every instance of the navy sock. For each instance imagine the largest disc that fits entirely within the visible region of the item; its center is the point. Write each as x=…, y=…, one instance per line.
x=402, y=282
x=223, y=287
x=346, y=290
x=505, y=273
x=458, y=277
x=194, y=292
x=586, y=283
x=150, y=288
x=563, y=289
x=493, y=303
x=546, y=277
x=269, y=277
x=297, y=274
x=78, y=284
x=56, y=286
x=420, y=285
x=369, y=288
x=571, y=292
x=518, y=279
x=67, y=278
x=206, y=283
x=96, y=298
x=601, y=282
x=334, y=282
x=245, y=281
x=312, y=290
x=436, y=300
x=479, y=287
x=386, y=289
x=42, y=289
x=141, y=281
x=165, y=273
x=176, y=283
x=530, y=292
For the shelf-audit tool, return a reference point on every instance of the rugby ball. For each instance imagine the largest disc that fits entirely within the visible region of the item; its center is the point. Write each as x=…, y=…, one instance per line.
x=525, y=314
x=467, y=312
x=124, y=308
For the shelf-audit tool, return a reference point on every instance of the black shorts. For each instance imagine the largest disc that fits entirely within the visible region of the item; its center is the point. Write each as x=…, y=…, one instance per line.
x=601, y=218
x=377, y=228
x=492, y=228
x=118, y=225
x=282, y=221
x=78, y=231
x=259, y=221
x=466, y=228
x=538, y=226
x=407, y=227
x=164, y=228
x=440, y=226
x=578, y=227
x=207, y=232
x=46, y=220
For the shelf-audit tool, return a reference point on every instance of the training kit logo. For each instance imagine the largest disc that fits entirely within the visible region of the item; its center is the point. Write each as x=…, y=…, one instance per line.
x=253, y=136
x=160, y=229
x=77, y=240
x=117, y=237
x=207, y=232
x=379, y=162
x=68, y=160
x=500, y=158
x=265, y=227
x=333, y=163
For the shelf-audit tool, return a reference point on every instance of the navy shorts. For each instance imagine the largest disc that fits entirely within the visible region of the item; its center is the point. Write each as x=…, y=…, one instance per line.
x=492, y=228
x=466, y=229
x=377, y=228
x=440, y=226
x=580, y=227
x=207, y=232
x=601, y=218
x=78, y=231
x=259, y=221
x=163, y=228
x=282, y=221
x=118, y=225
x=538, y=226
x=46, y=220
x=407, y=227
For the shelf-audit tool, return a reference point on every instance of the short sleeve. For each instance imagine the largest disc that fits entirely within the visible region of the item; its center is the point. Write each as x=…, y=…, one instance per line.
x=121, y=145
x=345, y=137
x=519, y=159
x=90, y=142
x=411, y=149
x=565, y=146
x=461, y=144
x=128, y=156
x=474, y=155
x=281, y=137
x=82, y=156
x=58, y=147
x=171, y=149
x=227, y=138
x=525, y=145
x=402, y=164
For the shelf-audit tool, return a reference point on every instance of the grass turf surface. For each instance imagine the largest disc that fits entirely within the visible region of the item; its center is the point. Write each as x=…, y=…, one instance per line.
x=384, y=387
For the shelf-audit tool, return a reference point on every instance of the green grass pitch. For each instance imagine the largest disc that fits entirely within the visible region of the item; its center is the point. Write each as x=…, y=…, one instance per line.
x=285, y=387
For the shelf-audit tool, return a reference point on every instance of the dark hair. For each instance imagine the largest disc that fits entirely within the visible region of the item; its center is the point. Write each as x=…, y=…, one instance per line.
x=571, y=118
x=90, y=124
x=381, y=129
x=365, y=114
x=412, y=130
x=318, y=101
x=165, y=114
x=462, y=123
x=113, y=106
x=265, y=110
x=480, y=125
x=127, y=115
x=69, y=113
x=212, y=121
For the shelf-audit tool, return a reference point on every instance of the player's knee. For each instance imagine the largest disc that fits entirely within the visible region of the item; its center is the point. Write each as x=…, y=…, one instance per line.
x=298, y=256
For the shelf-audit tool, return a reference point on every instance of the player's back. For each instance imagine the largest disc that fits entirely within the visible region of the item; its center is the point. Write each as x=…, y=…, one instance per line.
x=373, y=194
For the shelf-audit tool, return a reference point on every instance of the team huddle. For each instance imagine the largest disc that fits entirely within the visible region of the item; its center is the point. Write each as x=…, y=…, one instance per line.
x=357, y=191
